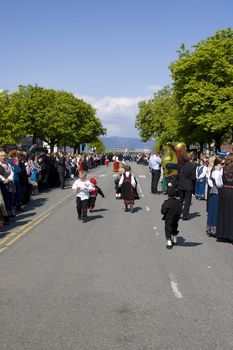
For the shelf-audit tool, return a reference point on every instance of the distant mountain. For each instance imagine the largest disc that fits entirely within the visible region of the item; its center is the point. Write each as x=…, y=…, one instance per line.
x=126, y=142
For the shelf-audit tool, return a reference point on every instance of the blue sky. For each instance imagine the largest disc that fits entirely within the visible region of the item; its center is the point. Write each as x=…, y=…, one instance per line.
x=112, y=53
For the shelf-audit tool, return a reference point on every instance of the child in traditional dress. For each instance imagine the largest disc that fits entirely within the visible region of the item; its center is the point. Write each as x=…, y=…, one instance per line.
x=83, y=187
x=94, y=193
x=127, y=184
x=171, y=213
x=107, y=162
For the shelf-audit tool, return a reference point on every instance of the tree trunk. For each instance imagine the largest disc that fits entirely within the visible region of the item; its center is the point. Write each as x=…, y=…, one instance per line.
x=77, y=148
x=217, y=143
x=201, y=147
x=51, y=147
x=34, y=140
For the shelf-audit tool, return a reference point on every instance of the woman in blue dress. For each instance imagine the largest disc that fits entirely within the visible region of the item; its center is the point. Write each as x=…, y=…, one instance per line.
x=200, y=185
x=215, y=183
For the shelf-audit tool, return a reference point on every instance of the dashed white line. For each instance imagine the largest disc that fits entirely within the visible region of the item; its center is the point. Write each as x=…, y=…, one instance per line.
x=140, y=189
x=156, y=232
x=142, y=176
x=147, y=208
x=174, y=286
x=102, y=175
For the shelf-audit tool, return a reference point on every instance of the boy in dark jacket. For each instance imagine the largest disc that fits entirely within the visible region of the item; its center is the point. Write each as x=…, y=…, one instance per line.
x=94, y=193
x=171, y=214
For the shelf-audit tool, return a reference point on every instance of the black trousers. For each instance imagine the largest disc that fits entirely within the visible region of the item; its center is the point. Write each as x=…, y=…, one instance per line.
x=185, y=200
x=171, y=228
x=91, y=202
x=155, y=175
x=81, y=206
x=62, y=179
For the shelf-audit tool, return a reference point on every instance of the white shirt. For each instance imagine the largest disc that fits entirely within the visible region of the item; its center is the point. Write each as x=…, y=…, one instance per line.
x=204, y=171
x=217, y=176
x=82, y=188
x=133, y=182
x=154, y=162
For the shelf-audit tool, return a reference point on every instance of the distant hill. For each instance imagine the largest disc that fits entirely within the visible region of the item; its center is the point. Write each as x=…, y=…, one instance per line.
x=126, y=142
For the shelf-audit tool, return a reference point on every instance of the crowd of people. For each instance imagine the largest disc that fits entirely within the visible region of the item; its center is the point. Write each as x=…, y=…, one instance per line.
x=24, y=174
x=207, y=178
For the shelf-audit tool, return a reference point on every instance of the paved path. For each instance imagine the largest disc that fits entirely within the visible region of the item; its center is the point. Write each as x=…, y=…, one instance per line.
x=111, y=283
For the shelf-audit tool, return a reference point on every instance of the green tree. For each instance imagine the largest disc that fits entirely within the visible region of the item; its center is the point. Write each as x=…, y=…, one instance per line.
x=157, y=118
x=98, y=145
x=56, y=117
x=5, y=125
x=85, y=126
x=203, y=87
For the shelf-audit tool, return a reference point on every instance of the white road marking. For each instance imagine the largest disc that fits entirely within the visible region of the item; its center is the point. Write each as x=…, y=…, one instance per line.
x=142, y=176
x=147, y=208
x=157, y=232
x=174, y=286
x=140, y=189
x=114, y=175
x=102, y=175
x=142, y=195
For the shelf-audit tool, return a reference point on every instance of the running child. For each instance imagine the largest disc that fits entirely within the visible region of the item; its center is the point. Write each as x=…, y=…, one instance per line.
x=83, y=187
x=94, y=193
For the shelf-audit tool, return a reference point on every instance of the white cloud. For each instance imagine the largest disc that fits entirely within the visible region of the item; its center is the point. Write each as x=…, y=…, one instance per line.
x=154, y=88
x=117, y=114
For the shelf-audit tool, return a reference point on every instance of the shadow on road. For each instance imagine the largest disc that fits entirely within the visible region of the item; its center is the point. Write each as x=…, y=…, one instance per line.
x=194, y=215
x=136, y=209
x=94, y=217
x=26, y=213
x=97, y=210
x=6, y=229
x=181, y=242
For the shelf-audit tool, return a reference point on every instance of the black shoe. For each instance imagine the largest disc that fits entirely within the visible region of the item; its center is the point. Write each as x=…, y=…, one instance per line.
x=84, y=220
x=79, y=218
x=6, y=220
x=126, y=209
x=185, y=218
x=18, y=209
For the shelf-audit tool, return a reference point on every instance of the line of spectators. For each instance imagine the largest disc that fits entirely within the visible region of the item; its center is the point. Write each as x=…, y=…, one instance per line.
x=24, y=174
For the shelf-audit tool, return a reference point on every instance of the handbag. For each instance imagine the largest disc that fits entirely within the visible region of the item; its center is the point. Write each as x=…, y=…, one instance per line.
x=214, y=188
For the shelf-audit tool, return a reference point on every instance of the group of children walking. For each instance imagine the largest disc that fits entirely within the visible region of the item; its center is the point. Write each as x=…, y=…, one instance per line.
x=126, y=184
x=86, y=193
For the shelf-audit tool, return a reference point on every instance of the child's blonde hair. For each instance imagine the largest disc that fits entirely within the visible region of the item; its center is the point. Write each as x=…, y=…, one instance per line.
x=82, y=174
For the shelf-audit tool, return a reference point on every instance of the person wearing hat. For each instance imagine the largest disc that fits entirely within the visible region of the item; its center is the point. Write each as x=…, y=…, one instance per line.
x=171, y=213
x=94, y=193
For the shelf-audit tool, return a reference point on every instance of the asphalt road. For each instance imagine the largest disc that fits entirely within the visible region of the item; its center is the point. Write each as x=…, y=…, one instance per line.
x=110, y=283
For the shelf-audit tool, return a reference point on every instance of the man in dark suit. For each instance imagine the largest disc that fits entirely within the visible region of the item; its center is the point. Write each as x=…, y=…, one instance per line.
x=61, y=168
x=186, y=183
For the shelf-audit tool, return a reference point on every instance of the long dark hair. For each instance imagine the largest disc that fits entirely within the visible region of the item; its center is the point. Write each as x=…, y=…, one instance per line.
x=228, y=169
x=217, y=161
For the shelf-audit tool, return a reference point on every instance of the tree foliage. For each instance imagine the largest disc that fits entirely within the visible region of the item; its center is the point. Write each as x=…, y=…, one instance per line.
x=56, y=117
x=98, y=145
x=157, y=117
x=203, y=86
